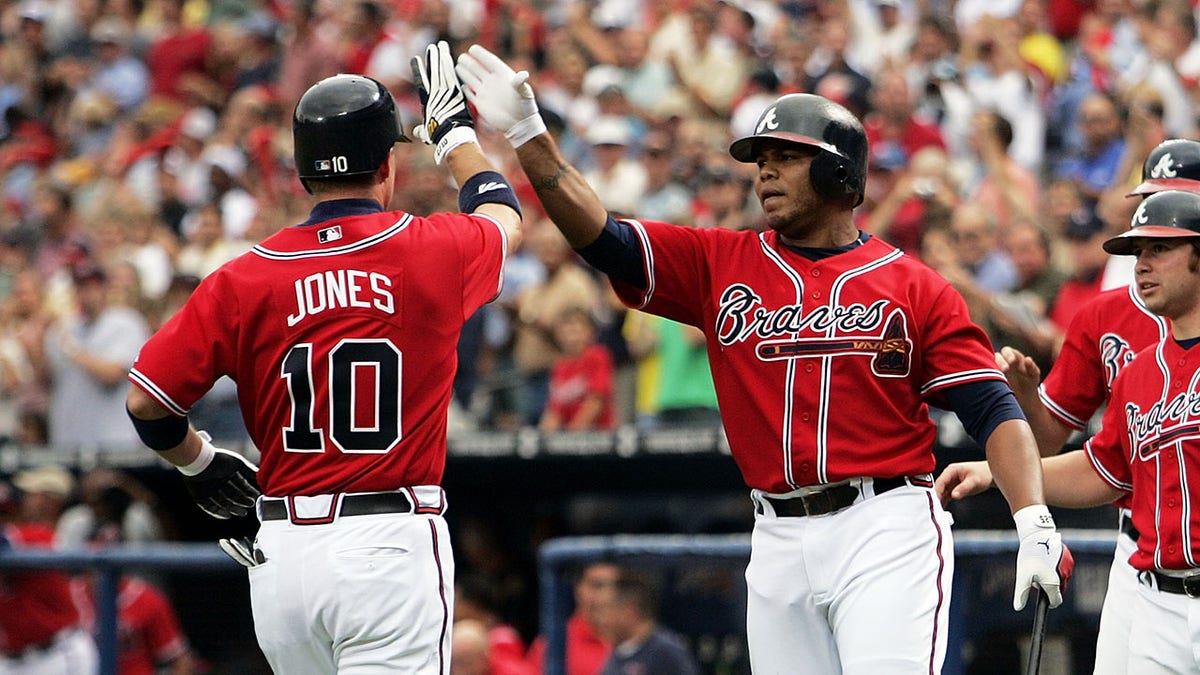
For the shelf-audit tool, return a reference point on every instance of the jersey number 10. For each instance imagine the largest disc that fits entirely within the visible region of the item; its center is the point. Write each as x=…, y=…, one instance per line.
x=348, y=363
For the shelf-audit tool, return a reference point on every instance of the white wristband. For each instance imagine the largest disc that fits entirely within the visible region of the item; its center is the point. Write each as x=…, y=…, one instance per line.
x=453, y=138
x=524, y=131
x=207, y=453
x=1033, y=518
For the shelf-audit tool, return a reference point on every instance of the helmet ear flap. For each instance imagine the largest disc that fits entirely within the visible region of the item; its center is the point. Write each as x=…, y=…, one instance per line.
x=831, y=178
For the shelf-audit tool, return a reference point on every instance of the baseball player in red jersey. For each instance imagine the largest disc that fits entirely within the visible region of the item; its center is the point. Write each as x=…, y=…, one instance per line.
x=1104, y=336
x=827, y=346
x=341, y=333
x=149, y=638
x=40, y=629
x=1148, y=445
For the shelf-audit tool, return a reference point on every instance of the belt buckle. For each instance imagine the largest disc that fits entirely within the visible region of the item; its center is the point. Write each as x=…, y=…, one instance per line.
x=817, y=503
x=1191, y=586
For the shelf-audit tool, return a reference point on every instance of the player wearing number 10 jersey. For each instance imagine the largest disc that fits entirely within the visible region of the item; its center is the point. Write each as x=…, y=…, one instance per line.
x=341, y=334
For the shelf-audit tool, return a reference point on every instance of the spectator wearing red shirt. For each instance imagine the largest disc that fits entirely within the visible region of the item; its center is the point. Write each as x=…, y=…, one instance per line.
x=149, y=639
x=1085, y=233
x=586, y=650
x=893, y=121
x=178, y=57
x=581, y=380
x=475, y=599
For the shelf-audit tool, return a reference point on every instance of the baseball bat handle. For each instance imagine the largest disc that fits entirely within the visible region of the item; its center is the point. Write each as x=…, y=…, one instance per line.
x=1039, y=632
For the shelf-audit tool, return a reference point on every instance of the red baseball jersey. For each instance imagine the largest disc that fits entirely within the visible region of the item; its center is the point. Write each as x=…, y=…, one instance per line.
x=148, y=632
x=1104, y=336
x=1149, y=445
x=574, y=379
x=341, y=337
x=34, y=604
x=824, y=369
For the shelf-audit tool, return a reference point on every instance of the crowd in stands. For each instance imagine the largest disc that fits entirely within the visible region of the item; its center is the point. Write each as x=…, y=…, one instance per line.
x=143, y=143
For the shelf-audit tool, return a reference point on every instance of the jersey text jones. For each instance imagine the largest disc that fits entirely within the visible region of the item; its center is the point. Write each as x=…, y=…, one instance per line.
x=332, y=289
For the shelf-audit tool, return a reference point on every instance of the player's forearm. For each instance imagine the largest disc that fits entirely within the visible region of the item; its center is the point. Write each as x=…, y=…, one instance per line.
x=1051, y=434
x=1016, y=467
x=1071, y=482
x=568, y=199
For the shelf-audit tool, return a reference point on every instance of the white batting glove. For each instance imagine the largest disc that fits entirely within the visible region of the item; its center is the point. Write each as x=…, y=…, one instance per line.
x=243, y=551
x=1043, y=560
x=501, y=96
x=447, y=123
x=222, y=483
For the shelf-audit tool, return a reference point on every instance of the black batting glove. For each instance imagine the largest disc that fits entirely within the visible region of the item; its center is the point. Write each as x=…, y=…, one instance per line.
x=225, y=486
x=446, y=120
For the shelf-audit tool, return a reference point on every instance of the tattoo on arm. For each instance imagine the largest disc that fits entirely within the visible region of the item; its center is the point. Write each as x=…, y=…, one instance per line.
x=550, y=183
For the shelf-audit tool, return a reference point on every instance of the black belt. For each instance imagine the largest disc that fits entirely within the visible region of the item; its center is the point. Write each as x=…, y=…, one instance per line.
x=831, y=499
x=362, y=504
x=1128, y=529
x=1189, y=586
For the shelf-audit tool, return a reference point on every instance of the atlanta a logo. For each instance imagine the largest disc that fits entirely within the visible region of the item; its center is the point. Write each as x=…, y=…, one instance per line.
x=1139, y=216
x=768, y=121
x=1165, y=168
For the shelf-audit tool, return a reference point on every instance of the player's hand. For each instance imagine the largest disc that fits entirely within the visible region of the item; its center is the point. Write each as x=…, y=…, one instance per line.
x=1022, y=372
x=227, y=486
x=1043, y=560
x=446, y=122
x=963, y=479
x=501, y=96
x=243, y=551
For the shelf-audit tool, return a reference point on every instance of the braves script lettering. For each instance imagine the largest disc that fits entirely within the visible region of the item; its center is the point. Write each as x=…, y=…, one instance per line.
x=1149, y=429
x=318, y=292
x=742, y=315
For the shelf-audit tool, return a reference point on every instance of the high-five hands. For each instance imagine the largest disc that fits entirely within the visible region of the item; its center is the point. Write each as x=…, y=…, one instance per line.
x=501, y=96
x=446, y=121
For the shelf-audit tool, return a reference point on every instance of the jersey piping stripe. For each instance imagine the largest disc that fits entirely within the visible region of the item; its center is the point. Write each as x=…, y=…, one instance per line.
x=366, y=242
x=156, y=393
x=961, y=377
x=1185, y=512
x=823, y=415
x=1058, y=411
x=1158, y=500
x=444, y=637
x=647, y=261
x=785, y=433
x=940, y=583
x=1106, y=475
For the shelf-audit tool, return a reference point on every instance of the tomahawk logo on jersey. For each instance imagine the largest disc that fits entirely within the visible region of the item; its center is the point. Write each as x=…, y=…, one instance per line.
x=787, y=330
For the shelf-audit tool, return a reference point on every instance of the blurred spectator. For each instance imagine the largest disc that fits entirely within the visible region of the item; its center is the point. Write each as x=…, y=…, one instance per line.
x=150, y=640
x=893, y=125
x=1167, y=34
x=1004, y=188
x=973, y=262
x=308, y=54
x=1020, y=318
x=85, y=358
x=627, y=616
x=580, y=391
x=616, y=176
x=762, y=88
x=118, y=75
x=469, y=648
x=1084, y=235
x=587, y=650
x=475, y=600
x=922, y=196
x=45, y=493
x=258, y=51
x=537, y=307
x=1038, y=46
x=686, y=396
x=1144, y=130
x=883, y=32
x=113, y=508
x=641, y=336
x=830, y=75
x=664, y=199
x=41, y=625
x=24, y=325
x=207, y=246
x=997, y=78
x=59, y=235
x=1095, y=166
x=721, y=199
x=180, y=58
x=709, y=70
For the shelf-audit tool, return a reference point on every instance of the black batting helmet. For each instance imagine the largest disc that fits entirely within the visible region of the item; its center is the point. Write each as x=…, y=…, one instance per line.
x=1173, y=164
x=840, y=169
x=344, y=125
x=1172, y=214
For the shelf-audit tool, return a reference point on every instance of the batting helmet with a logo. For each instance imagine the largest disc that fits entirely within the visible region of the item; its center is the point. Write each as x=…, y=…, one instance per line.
x=1172, y=214
x=1173, y=164
x=344, y=125
x=840, y=168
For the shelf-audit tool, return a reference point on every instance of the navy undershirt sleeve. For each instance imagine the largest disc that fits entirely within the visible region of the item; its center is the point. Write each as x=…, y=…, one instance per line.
x=618, y=253
x=983, y=406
